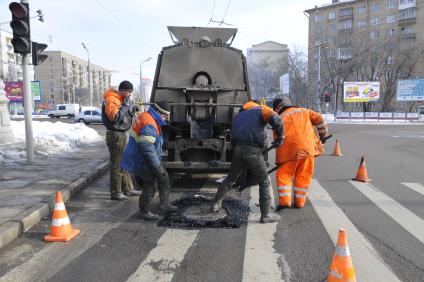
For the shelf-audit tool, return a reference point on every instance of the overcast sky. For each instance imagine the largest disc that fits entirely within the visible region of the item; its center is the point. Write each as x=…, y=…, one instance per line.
x=119, y=34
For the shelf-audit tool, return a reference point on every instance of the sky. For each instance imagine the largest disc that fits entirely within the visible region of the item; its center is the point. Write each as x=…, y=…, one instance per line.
x=121, y=34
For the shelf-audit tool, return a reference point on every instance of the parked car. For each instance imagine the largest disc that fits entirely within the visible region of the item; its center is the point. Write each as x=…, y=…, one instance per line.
x=64, y=110
x=89, y=116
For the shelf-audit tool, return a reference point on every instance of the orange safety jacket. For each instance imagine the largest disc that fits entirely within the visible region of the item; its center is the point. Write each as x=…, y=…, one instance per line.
x=300, y=140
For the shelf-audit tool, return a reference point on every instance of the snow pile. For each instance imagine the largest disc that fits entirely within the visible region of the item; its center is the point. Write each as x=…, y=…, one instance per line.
x=49, y=139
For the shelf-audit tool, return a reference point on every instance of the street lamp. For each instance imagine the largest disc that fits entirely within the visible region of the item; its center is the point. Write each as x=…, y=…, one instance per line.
x=89, y=77
x=141, y=78
x=319, y=46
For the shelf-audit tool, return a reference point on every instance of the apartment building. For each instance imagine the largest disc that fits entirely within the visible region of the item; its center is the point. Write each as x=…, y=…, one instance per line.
x=64, y=79
x=272, y=52
x=346, y=31
x=10, y=63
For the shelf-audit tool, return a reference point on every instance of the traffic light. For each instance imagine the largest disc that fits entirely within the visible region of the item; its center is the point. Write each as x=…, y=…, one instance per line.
x=21, y=29
x=37, y=53
x=327, y=97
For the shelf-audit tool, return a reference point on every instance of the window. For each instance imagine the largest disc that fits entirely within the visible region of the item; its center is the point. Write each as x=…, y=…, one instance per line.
x=372, y=104
x=404, y=2
x=361, y=9
x=332, y=27
x=331, y=53
x=390, y=32
x=374, y=34
x=95, y=113
x=389, y=60
x=374, y=21
x=331, y=41
x=407, y=14
x=346, y=24
x=317, y=18
x=406, y=30
x=346, y=12
x=390, y=4
x=61, y=108
x=362, y=23
x=87, y=113
x=331, y=15
x=317, y=29
x=391, y=19
x=402, y=104
x=345, y=53
x=375, y=7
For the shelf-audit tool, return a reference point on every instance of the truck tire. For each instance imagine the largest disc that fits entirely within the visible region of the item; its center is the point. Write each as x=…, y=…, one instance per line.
x=70, y=116
x=51, y=116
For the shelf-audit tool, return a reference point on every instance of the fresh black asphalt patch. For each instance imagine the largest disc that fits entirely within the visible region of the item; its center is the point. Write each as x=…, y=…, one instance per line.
x=237, y=213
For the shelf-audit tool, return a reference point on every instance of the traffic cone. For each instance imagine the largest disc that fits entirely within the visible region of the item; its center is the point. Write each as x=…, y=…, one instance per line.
x=337, y=151
x=61, y=229
x=341, y=268
x=362, y=174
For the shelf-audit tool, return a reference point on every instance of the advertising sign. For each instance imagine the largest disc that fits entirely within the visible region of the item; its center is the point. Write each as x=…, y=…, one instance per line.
x=343, y=115
x=386, y=116
x=361, y=91
x=412, y=116
x=14, y=91
x=371, y=115
x=410, y=90
x=357, y=115
x=36, y=90
x=399, y=115
x=284, y=84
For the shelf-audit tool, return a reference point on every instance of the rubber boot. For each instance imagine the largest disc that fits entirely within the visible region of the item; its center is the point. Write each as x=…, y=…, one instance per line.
x=219, y=196
x=145, y=213
x=165, y=205
x=266, y=216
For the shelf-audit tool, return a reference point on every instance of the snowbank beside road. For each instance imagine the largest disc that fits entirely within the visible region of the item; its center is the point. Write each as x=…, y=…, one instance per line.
x=50, y=139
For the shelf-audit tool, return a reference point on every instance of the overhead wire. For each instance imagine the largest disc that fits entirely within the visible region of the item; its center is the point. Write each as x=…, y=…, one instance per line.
x=213, y=11
x=225, y=14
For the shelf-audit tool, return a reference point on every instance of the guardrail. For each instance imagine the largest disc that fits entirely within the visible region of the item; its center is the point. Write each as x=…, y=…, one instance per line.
x=378, y=116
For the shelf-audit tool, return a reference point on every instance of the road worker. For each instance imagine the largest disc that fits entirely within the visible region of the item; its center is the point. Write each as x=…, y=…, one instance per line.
x=248, y=139
x=295, y=158
x=117, y=117
x=143, y=155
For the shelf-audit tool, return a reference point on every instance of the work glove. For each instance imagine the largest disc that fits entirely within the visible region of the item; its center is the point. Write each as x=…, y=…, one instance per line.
x=323, y=138
x=277, y=142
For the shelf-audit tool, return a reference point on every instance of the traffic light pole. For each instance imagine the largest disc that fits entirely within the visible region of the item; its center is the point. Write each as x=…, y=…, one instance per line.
x=29, y=140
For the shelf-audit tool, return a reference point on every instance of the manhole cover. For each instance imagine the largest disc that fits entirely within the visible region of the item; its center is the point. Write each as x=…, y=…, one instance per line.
x=193, y=212
x=203, y=213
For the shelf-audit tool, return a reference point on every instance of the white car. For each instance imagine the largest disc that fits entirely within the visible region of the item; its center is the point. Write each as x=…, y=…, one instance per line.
x=64, y=110
x=89, y=116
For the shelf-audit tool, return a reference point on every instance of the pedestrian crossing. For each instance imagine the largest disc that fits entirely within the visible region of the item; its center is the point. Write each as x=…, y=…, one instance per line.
x=259, y=259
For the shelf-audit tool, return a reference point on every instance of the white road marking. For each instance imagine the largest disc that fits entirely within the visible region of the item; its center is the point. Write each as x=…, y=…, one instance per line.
x=412, y=223
x=369, y=265
x=417, y=187
x=260, y=259
x=163, y=260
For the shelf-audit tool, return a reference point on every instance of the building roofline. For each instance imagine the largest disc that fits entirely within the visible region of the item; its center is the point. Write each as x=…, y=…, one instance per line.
x=330, y=5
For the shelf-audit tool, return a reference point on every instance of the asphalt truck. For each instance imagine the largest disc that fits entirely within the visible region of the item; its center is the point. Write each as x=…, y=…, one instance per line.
x=205, y=81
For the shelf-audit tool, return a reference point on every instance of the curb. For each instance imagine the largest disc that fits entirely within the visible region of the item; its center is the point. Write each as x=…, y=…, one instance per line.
x=13, y=228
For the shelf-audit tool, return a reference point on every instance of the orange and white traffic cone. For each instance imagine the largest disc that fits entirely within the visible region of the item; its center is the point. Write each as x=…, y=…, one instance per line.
x=61, y=229
x=361, y=174
x=341, y=268
x=337, y=151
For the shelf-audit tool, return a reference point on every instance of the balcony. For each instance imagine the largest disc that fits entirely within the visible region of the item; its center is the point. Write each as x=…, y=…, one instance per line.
x=345, y=17
x=403, y=22
x=409, y=35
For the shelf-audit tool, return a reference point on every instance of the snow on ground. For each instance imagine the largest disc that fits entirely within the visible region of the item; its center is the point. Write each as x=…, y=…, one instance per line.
x=50, y=139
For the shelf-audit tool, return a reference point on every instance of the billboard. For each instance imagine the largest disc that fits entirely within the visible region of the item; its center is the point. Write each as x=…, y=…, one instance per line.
x=36, y=90
x=284, y=84
x=361, y=91
x=410, y=90
x=14, y=90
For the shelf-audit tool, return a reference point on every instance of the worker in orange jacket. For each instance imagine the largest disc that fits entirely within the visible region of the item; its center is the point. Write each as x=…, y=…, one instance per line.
x=295, y=157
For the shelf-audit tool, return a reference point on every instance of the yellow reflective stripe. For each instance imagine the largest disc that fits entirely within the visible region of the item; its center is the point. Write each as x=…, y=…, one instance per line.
x=148, y=139
x=292, y=112
x=142, y=138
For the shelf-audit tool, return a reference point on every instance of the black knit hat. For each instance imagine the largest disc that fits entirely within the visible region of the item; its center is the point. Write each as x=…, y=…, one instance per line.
x=126, y=86
x=277, y=102
x=162, y=107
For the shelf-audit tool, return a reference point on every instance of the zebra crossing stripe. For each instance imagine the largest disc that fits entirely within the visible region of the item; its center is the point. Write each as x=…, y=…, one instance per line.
x=417, y=187
x=412, y=223
x=164, y=259
x=260, y=258
x=368, y=263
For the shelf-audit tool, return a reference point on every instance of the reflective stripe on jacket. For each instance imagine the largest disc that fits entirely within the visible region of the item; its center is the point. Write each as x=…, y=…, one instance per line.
x=144, y=148
x=300, y=140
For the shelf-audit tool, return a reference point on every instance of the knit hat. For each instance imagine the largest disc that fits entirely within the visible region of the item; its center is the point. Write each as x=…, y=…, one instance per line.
x=162, y=107
x=126, y=86
x=277, y=102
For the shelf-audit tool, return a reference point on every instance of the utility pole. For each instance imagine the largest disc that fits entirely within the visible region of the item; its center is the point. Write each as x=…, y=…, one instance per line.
x=318, y=102
x=141, y=79
x=89, y=74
